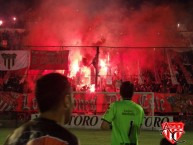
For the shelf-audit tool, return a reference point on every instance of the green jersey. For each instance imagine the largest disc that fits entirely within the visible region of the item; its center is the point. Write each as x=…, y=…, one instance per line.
x=126, y=118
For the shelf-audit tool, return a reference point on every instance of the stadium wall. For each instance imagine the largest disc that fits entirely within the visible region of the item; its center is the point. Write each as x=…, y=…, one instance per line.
x=94, y=121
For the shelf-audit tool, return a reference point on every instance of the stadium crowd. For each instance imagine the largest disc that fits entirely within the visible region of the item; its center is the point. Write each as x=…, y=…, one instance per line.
x=11, y=39
x=13, y=83
x=159, y=80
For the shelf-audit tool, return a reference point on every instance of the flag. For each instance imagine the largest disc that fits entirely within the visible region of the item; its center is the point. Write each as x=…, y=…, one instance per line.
x=49, y=60
x=14, y=60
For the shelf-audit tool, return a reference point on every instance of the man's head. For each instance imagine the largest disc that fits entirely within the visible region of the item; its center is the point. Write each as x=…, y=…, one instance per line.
x=52, y=91
x=127, y=90
x=164, y=141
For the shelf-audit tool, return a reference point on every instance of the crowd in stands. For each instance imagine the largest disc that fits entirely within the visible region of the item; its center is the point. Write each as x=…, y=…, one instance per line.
x=157, y=80
x=11, y=39
x=165, y=85
x=160, y=88
x=12, y=83
x=162, y=84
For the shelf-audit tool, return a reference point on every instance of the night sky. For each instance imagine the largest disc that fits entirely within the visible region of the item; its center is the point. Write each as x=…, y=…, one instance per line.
x=19, y=8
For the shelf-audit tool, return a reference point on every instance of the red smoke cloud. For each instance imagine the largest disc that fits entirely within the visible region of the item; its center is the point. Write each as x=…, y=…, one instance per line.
x=109, y=23
x=84, y=23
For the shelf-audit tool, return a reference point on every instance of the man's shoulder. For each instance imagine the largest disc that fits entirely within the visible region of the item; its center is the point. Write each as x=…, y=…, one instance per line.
x=35, y=129
x=20, y=134
x=23, y=128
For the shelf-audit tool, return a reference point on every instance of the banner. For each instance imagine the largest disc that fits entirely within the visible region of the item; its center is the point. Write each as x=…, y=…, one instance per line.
x=8, y=101
x=12, y=101
x=49, y=60
x=14, y=60
x=94, y=121
x=98, y=103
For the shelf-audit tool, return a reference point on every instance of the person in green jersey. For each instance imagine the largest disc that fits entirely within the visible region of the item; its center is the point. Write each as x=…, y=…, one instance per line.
x=125, y=117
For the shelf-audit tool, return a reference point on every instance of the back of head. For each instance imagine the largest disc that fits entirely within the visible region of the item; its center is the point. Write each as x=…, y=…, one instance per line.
x=50, y=90
x=164, y=141
x=127, y=90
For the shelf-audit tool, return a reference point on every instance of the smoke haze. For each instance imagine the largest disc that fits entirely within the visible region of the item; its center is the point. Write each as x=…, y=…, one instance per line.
x=107, y=23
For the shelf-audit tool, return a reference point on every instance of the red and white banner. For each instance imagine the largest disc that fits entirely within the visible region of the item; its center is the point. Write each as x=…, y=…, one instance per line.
x=97, y=103
x=49, y=60
x=14, y=60
x=12, y=101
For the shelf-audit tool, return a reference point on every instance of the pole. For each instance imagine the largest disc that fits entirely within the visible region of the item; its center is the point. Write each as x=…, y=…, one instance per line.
x=96, y=67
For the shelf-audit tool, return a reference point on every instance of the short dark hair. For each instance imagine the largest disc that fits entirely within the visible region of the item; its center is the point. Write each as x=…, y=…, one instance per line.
x=50, y=89
x=164, y=141
x=127, y=90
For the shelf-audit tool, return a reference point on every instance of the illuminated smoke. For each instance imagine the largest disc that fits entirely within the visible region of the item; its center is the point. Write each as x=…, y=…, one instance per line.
x=74, y=68
x=1, y=22
x=109, y=23
x=92, y=88
x=74, y=57
x=103, y=68
x=105, y=23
